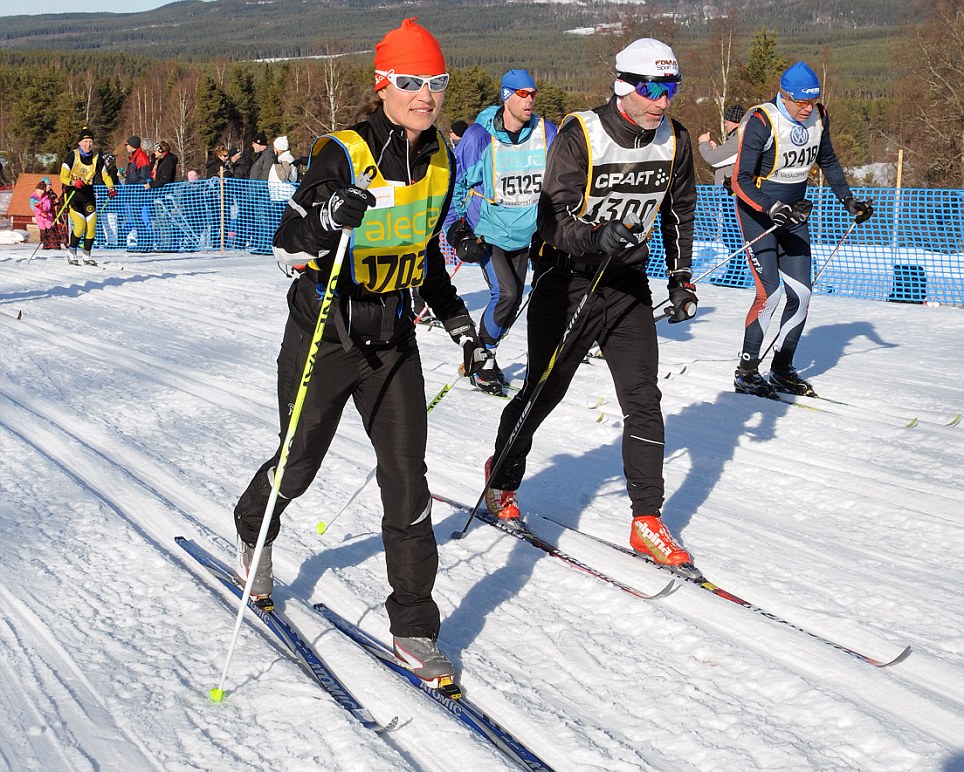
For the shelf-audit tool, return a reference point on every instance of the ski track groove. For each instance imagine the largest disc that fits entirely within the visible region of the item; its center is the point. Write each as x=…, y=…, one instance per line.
x=732, y=627
x=140, y=475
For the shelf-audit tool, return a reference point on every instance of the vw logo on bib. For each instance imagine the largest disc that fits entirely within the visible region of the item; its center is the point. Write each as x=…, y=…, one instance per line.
x=799, y=135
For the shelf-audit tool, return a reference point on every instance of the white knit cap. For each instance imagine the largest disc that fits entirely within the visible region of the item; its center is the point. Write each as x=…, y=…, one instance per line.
x=645, y=56
x=281, y=144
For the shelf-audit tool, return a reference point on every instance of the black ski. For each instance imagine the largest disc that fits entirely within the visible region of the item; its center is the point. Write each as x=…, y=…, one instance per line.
x=315, y=666
x=466, y=712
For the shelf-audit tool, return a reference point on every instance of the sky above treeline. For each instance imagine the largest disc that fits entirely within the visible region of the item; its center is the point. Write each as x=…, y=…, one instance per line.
x=82, y=6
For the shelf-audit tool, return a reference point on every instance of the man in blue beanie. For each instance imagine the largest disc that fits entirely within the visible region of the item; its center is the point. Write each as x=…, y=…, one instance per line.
x=501, y=160
x=780, y=142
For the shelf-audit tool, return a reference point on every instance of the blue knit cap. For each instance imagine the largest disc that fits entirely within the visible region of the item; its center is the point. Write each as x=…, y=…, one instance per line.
x=800, y=82
x=514, y=79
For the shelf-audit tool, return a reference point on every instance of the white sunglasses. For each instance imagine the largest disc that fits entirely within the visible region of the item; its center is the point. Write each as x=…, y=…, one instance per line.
x=415, y=83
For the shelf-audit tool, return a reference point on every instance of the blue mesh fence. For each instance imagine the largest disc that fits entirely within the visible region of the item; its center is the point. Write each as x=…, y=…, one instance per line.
x=912, y=250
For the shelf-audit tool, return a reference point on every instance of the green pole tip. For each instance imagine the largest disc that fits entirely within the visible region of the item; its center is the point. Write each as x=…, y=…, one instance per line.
x=217, y=694
x=322, y=527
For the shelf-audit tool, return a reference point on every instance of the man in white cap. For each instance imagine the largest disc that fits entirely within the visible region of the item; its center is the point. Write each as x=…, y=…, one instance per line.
x=501, y=159
x=610, y=171
x=771, y=189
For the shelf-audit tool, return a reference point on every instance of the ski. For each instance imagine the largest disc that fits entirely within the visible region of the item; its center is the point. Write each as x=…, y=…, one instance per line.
x=290, y=638
x=522, y=532
x=464, y=710
x=715, y=589
x=856, y=411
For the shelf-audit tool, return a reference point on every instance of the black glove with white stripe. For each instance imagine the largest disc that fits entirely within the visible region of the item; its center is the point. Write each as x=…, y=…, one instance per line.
x=463, y=332
x=346, y=208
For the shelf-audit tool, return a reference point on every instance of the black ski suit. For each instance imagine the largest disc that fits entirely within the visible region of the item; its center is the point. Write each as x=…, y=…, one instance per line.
x=619, y=314
x=368, y=354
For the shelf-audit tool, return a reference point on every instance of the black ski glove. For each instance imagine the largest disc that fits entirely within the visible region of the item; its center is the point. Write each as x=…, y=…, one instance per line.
x=682, y=297
x=345, y=208
x=468, y=248
x=614, y=237
x=474, y=353
x=861, y=211
x=790, y=214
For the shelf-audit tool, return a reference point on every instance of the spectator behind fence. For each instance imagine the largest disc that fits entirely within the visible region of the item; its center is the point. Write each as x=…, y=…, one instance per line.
x=219, y=163
x=722, y=158
x=282, y=173
x=137, y=215
x=138, y=163
x=163, y=172
x=241, y=163
x=164, y=167
x=256, y=204
x=264, y=158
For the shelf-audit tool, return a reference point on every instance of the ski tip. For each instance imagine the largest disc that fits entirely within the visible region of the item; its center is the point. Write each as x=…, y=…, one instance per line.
x=911, y=424
x=389, y=727
x=322, y=527
x=953, y=422
x=898, y=659
x=217, y=694
x=670, y=588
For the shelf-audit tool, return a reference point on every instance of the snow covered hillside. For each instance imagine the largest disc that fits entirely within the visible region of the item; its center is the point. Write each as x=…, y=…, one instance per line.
x=137, y=398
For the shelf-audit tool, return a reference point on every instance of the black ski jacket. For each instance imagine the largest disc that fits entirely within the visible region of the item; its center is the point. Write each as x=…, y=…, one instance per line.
x=565, y=181
x=366, y=318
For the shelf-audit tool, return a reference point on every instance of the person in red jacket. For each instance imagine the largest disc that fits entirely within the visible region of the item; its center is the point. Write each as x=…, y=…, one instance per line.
x=138, y=163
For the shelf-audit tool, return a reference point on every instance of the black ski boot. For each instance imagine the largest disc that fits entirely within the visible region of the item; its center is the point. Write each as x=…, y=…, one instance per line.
x=747, y=380
x=789, y=381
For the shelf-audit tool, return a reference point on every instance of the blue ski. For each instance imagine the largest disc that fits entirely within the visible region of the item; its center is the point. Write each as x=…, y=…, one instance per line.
x=462, y=708
x=289, y=637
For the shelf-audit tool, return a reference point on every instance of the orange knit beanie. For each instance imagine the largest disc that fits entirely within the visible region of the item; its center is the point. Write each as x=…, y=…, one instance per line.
x=409, y=50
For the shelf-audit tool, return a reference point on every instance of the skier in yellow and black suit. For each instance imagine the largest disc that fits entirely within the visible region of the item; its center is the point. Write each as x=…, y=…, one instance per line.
x=77, y=173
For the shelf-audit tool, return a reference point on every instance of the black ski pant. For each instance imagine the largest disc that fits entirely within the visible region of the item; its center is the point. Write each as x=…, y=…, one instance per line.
x=619, y=315
x=388, y=391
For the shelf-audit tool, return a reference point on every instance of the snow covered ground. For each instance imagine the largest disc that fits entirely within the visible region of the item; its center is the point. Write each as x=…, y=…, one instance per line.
x=137, y=398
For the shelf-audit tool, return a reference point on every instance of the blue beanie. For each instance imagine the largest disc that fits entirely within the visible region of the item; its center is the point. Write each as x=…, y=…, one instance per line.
x=800, y=82
x=514, y=79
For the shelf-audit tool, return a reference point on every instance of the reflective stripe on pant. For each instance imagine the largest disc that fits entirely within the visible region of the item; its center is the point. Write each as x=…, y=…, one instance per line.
x=785, y=254
x=620, y=317
x=388, y=391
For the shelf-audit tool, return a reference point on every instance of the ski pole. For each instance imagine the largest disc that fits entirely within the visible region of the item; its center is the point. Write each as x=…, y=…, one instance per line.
x=722, y=262
x=66, y=201
x=832, y=254
x=217, y=693
x=323, y=526
x=497, y=464
x=729, y=257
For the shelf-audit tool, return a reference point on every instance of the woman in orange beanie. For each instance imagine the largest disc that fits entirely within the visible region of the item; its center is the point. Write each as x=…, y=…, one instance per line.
x=368, y=351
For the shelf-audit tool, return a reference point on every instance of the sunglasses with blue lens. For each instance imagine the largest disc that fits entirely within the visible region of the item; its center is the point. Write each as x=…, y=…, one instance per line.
x=653, y=88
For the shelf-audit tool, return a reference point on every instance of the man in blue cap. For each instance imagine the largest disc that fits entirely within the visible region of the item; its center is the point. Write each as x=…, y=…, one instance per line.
x=501, y=160
x=780, y=142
